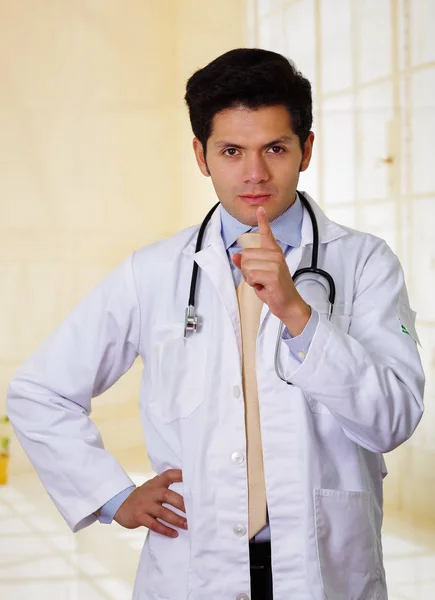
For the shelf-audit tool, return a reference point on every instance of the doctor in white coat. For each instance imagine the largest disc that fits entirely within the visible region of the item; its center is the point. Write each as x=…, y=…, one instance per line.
x=357, y=380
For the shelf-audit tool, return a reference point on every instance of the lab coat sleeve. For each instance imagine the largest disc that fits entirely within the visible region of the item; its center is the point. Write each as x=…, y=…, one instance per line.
x=49, y=399
x=371, y=378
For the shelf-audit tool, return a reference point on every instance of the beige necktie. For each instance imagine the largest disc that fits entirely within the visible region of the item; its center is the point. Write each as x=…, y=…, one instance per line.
x=250, y=309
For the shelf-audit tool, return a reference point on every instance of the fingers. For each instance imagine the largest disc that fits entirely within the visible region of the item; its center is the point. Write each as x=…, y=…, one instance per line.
x=160, y=509
x=154, y=502
x=260, y=272
x=174, y=499
x=267, y=238
x=167, y=515
x=262, y=265
x=261, y=279
x=171, y=476
x=242, y=261
x=164, y=502
x=160, y=528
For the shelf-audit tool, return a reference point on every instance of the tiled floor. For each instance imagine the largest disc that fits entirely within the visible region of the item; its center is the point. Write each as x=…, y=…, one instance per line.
x=40, y=558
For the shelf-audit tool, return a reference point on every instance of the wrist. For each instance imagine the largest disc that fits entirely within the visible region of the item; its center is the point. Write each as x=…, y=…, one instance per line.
x=297, y=317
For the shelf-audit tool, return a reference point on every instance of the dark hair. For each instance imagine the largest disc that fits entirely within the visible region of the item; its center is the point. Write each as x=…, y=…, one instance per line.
x=251, y=78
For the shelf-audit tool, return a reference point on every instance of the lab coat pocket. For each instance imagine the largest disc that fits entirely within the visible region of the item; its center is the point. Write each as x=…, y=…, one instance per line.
x=315, y=293
x=346, y=544
x=340, y=317
x=177, y=370
x=170, y=557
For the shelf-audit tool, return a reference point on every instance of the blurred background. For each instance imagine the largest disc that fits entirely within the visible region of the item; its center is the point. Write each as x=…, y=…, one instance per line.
x=96, y=161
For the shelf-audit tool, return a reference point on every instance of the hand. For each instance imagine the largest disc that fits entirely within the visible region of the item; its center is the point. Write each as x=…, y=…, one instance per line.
x=144, y=505
x=266, y=270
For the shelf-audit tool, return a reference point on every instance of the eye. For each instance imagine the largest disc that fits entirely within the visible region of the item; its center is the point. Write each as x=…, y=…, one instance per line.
x=231, y=152
x=276, y=150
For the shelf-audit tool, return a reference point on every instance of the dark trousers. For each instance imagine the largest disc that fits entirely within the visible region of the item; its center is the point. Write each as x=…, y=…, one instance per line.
x=261, y=571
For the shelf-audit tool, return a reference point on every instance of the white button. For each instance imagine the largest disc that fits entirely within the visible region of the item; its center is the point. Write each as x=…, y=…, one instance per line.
x=237, y=458
x=239, y=530
x=302, y=355
x=236, y=391
x=242, y=597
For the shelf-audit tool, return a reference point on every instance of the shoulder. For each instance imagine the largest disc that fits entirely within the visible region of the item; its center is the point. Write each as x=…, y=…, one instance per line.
x=364, y=244
x=364, y=257
x=165, y=251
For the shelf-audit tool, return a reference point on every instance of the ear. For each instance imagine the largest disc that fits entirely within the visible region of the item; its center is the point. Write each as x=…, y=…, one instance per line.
x=308, y=152
x=200, y=158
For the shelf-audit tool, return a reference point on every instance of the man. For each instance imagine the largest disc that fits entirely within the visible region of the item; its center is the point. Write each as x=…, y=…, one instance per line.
x=264, y=489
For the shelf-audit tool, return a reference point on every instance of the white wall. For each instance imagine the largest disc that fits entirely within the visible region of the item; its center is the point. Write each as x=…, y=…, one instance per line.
x=372, y=66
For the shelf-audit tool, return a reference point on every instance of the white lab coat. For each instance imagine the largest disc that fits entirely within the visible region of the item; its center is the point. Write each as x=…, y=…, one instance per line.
x=357, y=395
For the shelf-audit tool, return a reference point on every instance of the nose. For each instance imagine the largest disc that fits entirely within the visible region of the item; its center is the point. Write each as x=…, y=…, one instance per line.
x=255, y=169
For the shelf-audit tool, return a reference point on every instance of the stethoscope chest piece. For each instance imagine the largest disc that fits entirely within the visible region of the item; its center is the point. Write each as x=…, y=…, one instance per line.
x=190, y=321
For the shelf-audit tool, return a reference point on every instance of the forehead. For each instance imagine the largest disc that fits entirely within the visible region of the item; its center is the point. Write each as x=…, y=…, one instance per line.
x=269, y=122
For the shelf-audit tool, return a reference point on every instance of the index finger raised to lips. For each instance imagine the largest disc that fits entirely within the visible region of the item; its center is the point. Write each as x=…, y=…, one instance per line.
x=266, y=235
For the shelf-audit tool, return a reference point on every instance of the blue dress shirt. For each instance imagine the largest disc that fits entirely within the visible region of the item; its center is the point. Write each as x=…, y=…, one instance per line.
x=287, y=229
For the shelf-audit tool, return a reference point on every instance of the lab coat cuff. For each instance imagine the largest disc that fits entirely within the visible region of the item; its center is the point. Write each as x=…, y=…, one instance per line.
x=108, y=511
x=300, y=344
x=86, y=509
x=303, y=375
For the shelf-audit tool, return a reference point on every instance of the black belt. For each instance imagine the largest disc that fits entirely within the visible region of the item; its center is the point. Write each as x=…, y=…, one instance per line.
x=260, y=556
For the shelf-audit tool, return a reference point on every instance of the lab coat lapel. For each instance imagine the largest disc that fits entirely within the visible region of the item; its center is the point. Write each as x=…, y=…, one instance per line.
x=213, y=260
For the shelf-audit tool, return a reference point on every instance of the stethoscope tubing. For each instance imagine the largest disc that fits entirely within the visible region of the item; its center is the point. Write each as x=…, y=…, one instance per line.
x=191, y=320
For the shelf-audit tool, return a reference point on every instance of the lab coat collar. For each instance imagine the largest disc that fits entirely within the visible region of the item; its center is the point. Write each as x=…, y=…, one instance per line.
x=328, y=230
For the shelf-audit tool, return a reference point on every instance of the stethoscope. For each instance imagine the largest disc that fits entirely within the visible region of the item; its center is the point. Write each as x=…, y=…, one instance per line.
x=191, y=319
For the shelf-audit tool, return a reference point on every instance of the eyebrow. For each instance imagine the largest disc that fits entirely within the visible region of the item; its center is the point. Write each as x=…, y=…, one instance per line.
x=282, y=140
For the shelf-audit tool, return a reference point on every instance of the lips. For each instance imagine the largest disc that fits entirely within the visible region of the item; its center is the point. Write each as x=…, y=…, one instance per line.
x=255, y=200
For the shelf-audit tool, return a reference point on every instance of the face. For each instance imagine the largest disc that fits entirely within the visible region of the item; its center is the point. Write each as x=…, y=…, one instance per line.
x=254, y=159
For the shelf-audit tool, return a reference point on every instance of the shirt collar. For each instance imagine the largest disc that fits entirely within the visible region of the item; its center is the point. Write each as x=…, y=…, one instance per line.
x=286, y=228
